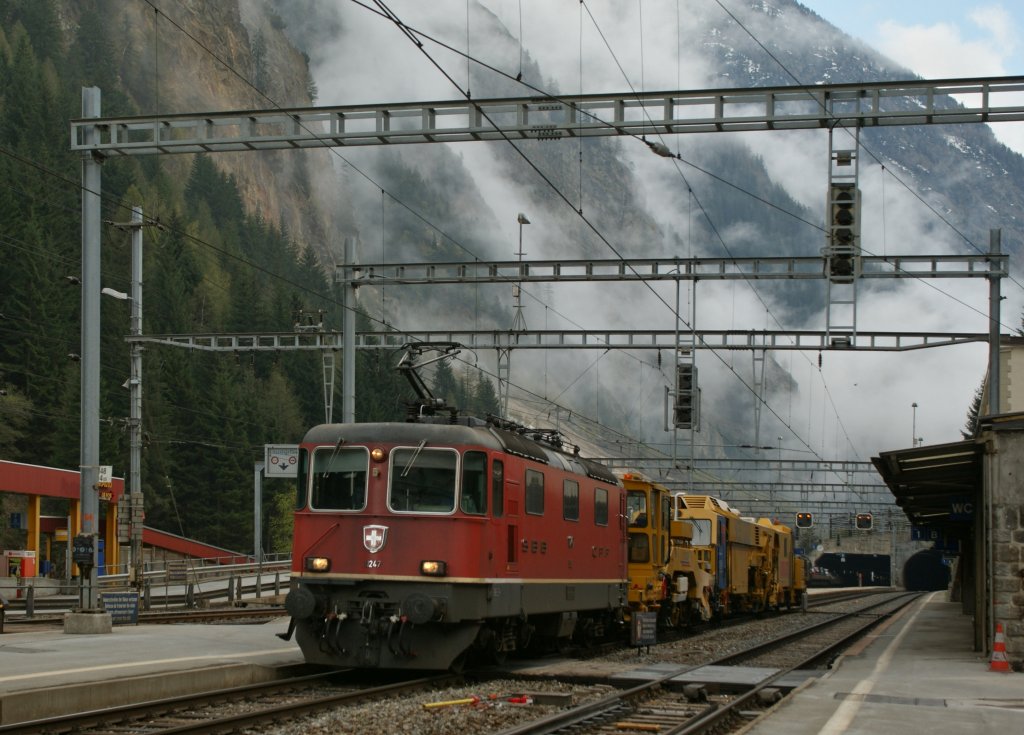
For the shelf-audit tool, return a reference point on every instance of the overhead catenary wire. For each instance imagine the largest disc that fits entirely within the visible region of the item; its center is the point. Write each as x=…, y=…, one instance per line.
x=556, y=98
x=390, y=15
x=913, y=192
x=412, y=36
x=406, y=31
x=664, y=151
x=467, y=47
x=193, y=238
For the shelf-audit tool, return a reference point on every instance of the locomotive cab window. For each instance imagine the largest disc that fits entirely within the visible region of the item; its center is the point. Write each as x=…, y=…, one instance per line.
x=535, y=492
x=636, y=509
x=701, y=531
x=422, y=480
x=639, y=548
x=474, y=483
x=339, y=478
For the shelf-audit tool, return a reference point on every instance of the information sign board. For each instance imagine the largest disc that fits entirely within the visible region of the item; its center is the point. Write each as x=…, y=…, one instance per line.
x=281, y=460
x=177, y=571
x=122, y=606
x=643, y=630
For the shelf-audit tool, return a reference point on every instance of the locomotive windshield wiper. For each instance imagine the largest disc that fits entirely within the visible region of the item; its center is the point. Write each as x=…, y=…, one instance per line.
x=412, y=459
x=334, y=454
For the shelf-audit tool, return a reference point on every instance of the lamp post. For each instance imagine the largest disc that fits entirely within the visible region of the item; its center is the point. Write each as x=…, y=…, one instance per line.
x=913, y=435
x=134, y=507
x=518, y=320
x=518, y=325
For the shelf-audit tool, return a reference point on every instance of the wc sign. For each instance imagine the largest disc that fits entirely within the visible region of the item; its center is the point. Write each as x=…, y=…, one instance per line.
x=281, y=460
x=961, y=509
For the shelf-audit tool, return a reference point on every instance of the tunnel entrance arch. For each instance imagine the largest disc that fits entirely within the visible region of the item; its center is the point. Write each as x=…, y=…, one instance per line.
x=857, y=570
x=926, y=571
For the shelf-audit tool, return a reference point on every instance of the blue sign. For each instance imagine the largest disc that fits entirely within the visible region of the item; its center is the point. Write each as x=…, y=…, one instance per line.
x=18, y=521
x=939, y=540
x=122, y=606
x=924, y=533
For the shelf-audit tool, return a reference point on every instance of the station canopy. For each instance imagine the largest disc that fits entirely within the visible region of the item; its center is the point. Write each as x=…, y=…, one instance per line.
x=930, y=483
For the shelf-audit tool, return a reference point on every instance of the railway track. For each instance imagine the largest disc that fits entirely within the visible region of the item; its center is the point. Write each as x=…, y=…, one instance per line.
x=660, y=706
x=654, y=707
x=229, y=710
x=210, y=615
x=817, y=603
x=827, y=598
x=821, y=640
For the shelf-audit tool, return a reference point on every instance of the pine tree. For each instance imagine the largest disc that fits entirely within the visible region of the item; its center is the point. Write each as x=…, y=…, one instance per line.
x=445, y=385
x=485, y=398
x=970, y=429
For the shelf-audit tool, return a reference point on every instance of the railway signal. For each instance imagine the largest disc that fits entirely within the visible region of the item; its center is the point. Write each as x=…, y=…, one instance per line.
x=804, y=520
x=686, y=392
x=843, y=229
x=864, y=521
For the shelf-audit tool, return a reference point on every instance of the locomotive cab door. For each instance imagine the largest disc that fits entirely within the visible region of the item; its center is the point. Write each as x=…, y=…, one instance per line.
x=513, y=498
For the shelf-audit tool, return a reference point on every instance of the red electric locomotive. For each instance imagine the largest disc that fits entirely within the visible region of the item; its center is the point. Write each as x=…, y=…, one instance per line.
x=417, y=544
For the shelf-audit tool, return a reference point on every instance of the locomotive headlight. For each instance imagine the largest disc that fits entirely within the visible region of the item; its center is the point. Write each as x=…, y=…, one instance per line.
x=434, y=568
x=318, y=564
x=377, y=454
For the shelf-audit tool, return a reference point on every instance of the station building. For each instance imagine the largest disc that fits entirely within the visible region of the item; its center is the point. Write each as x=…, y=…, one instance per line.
x=968, y=497
x=41, y=551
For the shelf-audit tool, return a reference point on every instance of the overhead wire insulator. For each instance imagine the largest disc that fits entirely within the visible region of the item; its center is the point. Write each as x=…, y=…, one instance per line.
x=661, y=149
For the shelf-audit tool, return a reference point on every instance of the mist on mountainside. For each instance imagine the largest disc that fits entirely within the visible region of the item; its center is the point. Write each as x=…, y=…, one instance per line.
x=597, y=198
x=708, y=205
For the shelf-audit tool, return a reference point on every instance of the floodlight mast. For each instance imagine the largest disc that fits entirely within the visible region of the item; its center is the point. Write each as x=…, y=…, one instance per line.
x=89, y=446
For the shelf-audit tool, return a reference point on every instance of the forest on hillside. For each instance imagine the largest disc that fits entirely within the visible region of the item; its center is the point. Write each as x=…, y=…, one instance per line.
x=209, y=267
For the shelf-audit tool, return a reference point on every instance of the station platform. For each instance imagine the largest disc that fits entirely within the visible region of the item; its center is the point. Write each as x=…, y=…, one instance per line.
x=915, y=673
x=133, y=663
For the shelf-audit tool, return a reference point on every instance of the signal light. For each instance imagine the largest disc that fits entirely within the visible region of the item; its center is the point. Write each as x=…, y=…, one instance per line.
x=864, y=521
x=843, y=232
x=686, y=391
x=804, y=520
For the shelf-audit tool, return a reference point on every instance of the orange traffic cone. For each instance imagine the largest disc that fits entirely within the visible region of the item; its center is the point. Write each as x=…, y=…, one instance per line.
x=999, y=662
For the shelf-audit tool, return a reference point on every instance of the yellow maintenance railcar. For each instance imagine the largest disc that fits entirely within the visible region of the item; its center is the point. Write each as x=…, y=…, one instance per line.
x=752, y=563
x=665, y=575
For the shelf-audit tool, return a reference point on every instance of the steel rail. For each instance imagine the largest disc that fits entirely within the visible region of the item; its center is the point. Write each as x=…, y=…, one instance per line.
x=713, y=714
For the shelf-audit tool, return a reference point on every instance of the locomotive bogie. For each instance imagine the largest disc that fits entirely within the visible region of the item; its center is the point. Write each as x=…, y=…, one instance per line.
x=402, y=624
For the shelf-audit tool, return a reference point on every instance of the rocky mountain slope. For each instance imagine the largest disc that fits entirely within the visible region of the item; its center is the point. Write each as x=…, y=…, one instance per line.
x=451, y=202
